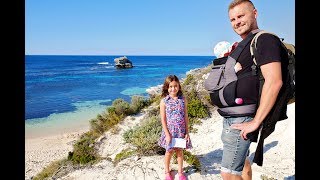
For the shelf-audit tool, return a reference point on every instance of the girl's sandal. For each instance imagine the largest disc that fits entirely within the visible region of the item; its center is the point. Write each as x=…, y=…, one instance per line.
x=168, y=176
x=182, y=176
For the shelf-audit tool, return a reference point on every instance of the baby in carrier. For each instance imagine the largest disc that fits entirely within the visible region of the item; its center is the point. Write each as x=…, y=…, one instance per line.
x=223, y=49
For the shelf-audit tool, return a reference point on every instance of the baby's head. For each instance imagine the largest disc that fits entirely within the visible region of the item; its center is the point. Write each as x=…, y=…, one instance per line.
x=224, y=48
x=221, y=48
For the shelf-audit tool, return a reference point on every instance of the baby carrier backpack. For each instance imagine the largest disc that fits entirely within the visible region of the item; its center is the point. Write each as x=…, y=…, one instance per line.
x=222, y=83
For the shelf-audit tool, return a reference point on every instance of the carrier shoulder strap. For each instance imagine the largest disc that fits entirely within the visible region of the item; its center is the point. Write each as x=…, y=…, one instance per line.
x=237, y=51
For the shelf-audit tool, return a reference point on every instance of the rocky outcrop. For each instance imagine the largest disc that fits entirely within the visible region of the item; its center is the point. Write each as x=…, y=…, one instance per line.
x=123, y=62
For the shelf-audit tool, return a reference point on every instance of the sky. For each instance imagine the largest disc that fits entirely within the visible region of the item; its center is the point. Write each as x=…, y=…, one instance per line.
x=142, y=27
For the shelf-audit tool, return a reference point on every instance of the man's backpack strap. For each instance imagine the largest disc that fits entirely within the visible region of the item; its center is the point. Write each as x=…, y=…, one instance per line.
x=253, y=51
x=253, y=45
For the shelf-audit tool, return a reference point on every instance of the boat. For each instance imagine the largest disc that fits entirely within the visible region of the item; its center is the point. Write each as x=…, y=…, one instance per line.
x=123, y=62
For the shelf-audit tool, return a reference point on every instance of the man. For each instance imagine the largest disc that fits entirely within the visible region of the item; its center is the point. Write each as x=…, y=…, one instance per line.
x=235, y=135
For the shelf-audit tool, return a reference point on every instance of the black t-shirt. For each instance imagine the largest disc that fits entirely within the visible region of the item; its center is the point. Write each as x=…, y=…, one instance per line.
x=269, y=50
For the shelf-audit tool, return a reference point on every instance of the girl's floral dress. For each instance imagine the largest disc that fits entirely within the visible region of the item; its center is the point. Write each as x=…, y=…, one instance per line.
x=175, y=121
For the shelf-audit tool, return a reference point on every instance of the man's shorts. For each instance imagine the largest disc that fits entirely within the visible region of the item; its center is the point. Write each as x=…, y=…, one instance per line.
x=235, y=149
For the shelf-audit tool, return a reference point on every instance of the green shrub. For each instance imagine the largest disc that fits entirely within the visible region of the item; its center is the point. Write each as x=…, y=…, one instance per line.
x=111, y=110
x=137, y=103
x=156, y=99
x=105, y=121
x=145, y=136
x=155, y=111
x=197, y=109
x=123, y=155
x=190, y=159
x=189, y=80
x=83, y=150
x=121, y=107
x=50, y=170
x=96, y=126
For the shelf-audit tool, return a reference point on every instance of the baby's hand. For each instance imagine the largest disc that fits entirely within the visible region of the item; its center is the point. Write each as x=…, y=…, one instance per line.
x=237, y=67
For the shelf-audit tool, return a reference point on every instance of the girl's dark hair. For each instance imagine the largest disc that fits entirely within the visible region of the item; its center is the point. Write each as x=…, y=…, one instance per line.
x=166, y=83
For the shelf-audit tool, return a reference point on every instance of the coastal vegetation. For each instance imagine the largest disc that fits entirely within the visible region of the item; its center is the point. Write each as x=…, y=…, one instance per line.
x=143, y=137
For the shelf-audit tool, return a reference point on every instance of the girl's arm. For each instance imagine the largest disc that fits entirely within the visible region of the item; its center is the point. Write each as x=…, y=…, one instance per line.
x=164, y=122
x=186, y=118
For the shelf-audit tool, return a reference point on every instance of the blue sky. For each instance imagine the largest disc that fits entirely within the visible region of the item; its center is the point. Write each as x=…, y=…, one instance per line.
x=142, y=27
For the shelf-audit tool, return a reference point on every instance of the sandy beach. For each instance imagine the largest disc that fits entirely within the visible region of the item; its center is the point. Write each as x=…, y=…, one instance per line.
x=279, y=153
x=40, y=151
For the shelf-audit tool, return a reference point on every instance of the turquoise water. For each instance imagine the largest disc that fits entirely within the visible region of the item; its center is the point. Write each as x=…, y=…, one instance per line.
x=67, y=91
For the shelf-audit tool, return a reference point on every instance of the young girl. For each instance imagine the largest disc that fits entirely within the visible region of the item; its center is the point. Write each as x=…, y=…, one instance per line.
x=174, y=120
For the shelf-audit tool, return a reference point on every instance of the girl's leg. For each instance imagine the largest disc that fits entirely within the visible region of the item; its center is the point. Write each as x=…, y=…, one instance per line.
x=167, y=158
x=179, y=153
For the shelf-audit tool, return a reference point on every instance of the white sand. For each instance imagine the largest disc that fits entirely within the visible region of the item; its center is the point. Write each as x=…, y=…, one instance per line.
x=40, y=151
x=279, y=156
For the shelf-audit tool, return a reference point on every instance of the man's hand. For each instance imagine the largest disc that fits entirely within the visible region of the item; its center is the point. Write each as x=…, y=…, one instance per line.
x=246, y=127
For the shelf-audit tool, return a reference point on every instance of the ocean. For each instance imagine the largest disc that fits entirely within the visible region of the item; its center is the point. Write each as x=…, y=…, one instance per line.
x=68, y=91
